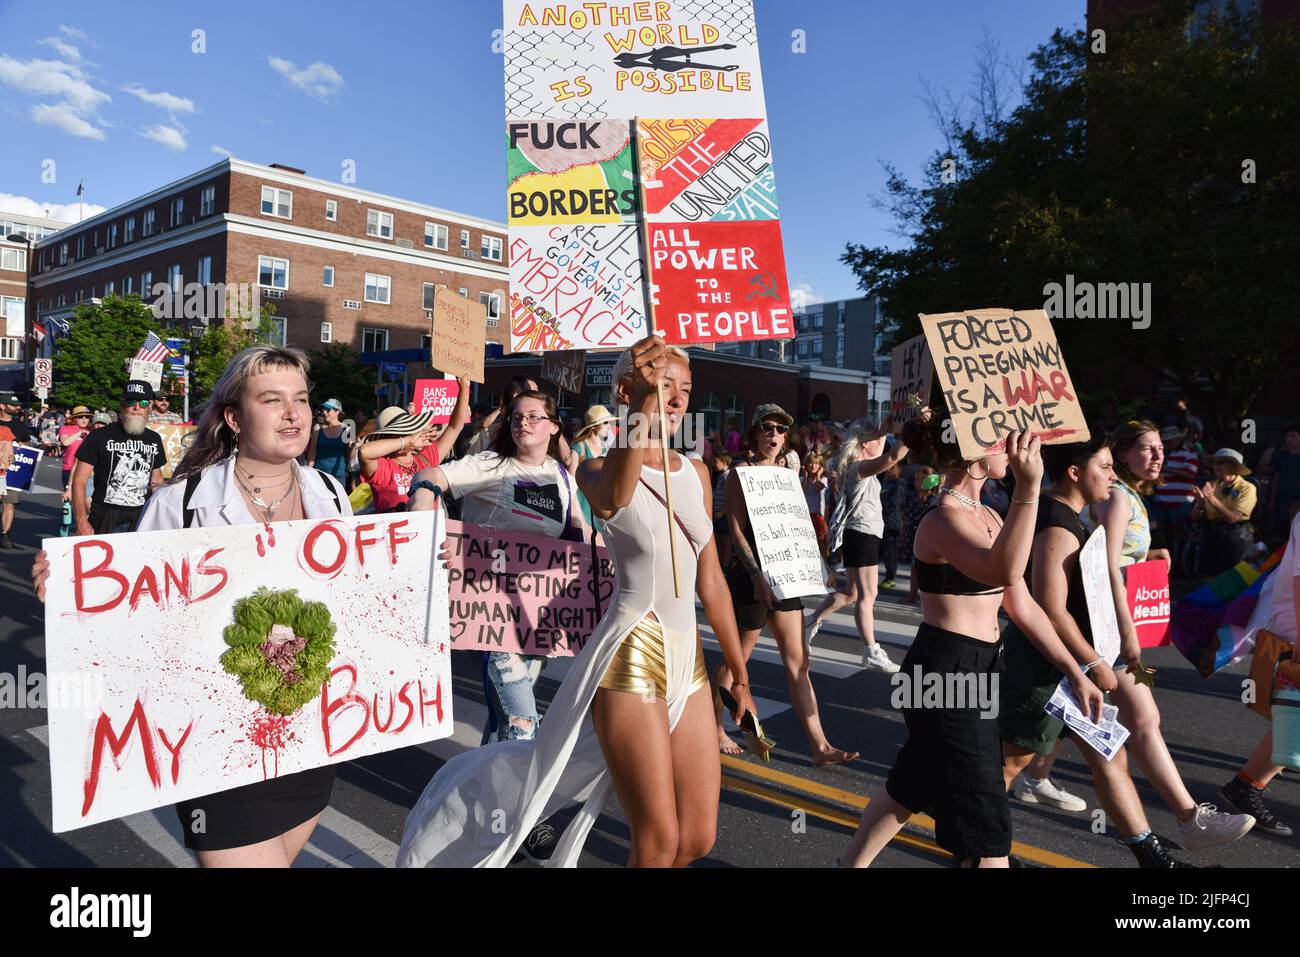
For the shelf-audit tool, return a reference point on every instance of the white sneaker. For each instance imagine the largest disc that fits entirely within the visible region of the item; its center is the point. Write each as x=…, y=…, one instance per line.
x=875, y=658
x=810, y=630
x=1033, y=791
x=1210, y=827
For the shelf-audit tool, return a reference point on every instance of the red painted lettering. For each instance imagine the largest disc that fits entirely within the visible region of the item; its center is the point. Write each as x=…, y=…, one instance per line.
x=361, y=543
x=176, y=751
x=203, y=569
x=349, y=699
x=146, y=581
x=381, y=728
x=396, y=538
x=138, y=722
x=80, y=576
x=309, y=550
x=405, y=698
x=436, y=702
x=182, y=582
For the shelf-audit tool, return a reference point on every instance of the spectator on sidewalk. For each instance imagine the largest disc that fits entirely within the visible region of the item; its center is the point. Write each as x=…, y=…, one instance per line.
x=1223, y=508
x=1174, y=496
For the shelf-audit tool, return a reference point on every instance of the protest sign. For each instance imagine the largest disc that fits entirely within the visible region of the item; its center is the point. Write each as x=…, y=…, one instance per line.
x=1094, y=568
x=183, y=663
x=565, y=369
x=597, y=60
x=176, y=439
x=459, y=335
x=910, y=375
x=510, y=591
x=150, y=372
x=783, y=531
x=575, y=172
x=1148, y=601
x=701, y=170
x=1002, y=371
x=22, y=473
x=437, y=396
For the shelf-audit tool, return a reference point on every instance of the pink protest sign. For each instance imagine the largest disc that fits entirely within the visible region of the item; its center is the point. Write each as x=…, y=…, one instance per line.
x=508, y=591
x=437, y=396
x=1148, y=601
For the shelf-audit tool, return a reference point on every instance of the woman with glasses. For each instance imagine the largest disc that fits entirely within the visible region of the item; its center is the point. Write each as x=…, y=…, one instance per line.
x=70, y=438
x=754, y=601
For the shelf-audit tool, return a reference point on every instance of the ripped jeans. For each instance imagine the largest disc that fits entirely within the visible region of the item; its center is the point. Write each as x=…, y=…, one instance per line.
x=508, y=680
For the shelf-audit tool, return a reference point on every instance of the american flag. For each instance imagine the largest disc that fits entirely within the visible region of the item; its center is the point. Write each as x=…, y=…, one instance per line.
x=153, y=350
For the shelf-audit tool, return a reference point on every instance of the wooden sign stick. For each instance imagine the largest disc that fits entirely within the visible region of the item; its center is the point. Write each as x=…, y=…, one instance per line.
x=644, y=229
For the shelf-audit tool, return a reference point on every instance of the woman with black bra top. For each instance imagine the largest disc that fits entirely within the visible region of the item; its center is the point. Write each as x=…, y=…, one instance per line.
x=968, y=565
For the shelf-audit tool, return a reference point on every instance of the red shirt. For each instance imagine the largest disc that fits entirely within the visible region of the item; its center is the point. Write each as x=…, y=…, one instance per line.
x=391, y=482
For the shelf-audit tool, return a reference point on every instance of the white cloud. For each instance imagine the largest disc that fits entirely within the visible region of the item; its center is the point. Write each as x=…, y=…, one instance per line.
x=168, y=136
x=802, y=296
x=75, y=34
x=221, y=150
x=167, y=101
x=52, y=78
x=63, y=47
x=66, y=212
x=65, y=118
x=319, y=80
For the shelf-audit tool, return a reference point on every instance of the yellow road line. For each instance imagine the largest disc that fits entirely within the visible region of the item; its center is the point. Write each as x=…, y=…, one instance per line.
x=838, y=795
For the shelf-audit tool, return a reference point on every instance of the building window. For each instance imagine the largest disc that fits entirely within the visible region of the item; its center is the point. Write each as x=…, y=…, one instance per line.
x=110, y=287
x=378, y=288
x=278, y=334
x=208, y=200
x=426, y=342
x=327, y=332
x=817, y=347
x=146, y=228
x=174, y=278
x=146, y=284
x=128, y=233
x=205, y=269
x=127, y=288
x=328, y=279
x=272, y=273
x=839, y=314
x=464, y=239
x=429, y=292
x=81, y=247
x=735, y=409
x=464, y=293
x=379, y=224
x=435, y=236
x=79, y=295
x=13, y=259
x=491, y=248
x=712, y=409
x=8, y=348
x=277, y=202
x=331, y=210
x=817, y=319
x=178, y=210
x=803, y=348
x=493, y=302
x=63, y=254
x=374, y=340
x=63, y=300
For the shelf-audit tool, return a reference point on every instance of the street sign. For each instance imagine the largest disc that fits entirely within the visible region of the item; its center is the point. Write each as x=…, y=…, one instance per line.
x=395, y=368
x=44, y=369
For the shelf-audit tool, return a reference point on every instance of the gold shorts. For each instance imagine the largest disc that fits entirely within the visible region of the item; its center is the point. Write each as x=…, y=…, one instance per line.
x=639, y=667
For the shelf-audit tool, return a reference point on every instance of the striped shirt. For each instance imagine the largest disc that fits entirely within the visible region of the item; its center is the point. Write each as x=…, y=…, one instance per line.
x=1179, y=478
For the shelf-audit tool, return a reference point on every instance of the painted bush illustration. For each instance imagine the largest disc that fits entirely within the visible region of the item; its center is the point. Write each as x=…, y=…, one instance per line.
x=280, y=648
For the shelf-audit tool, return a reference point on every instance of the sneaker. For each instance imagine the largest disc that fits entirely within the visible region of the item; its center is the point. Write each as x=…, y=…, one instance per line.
x=1033, y=791
x=1210, y=827
x=539, y=845
x=874, y=658
x=1151, y=853
x=811, y=627
x=889, y=585
x=1247, y=799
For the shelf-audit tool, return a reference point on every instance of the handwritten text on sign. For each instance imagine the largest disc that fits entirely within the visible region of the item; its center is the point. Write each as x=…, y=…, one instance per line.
x=783, y=530
x=176, y=440
x=529, y=594
x=910, y=375
x=437, y=396
x=142, y=618
x=1002, y=371
x=459, y=335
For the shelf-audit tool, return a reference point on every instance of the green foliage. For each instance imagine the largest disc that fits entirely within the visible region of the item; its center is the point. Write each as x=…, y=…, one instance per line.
x=1124, y=167
x=255, y=615
x=90, y=364
x=337, y=372
x=210, y=352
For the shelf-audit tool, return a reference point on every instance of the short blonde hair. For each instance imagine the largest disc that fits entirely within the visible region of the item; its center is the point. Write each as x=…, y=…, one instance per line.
x=623, y=369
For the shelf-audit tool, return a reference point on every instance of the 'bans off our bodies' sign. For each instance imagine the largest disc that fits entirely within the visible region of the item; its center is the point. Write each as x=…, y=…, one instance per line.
x=783, y=531
x=136, y=624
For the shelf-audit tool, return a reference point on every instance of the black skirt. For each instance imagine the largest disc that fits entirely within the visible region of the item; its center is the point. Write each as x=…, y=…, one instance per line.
x=751, y=614
x=255, y=812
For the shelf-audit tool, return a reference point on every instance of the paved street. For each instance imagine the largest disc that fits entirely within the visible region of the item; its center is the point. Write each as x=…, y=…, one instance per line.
x=1208, y=729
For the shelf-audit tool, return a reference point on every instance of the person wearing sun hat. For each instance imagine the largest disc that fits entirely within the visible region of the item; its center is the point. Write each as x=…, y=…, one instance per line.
x=592, y=442
x=1224, y=506
x=70, y=437
x=403, y=444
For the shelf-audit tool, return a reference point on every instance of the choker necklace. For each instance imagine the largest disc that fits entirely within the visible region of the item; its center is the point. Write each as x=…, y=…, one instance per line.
x=968, y=502
x=250, y=477
x=269, y=509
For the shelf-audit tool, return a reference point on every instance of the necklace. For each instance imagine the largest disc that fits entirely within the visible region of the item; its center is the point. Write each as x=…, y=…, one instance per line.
x=271, y=508
x=971, y=504
x=257, y=489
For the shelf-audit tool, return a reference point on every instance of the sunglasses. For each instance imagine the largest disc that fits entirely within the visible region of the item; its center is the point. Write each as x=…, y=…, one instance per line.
x=137, y=404
x=777, y=427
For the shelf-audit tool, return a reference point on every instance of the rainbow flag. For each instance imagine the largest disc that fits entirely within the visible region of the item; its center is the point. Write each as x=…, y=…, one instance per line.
x=1212, y=626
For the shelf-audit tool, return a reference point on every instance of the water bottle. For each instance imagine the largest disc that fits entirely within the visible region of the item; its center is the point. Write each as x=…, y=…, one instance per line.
x=65, y=529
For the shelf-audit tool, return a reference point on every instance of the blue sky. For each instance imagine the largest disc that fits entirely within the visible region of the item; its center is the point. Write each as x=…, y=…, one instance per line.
x=412, y=93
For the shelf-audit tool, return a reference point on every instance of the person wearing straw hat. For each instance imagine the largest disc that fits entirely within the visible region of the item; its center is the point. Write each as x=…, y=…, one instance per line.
x=70, y=437
x=403, y=444
x=1224, y=506
x=591, y=442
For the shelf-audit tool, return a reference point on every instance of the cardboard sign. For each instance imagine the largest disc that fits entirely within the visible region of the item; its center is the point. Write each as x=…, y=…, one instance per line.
x=720, y=282
x=1094, y=567
x=172, y=676
x=1148, y=602
x=597, y=60
x=437, y=396
x=459, y=335
x=574, y=172
x=22, y=473
x=176, y=439
x=1002, y=371
x=532, y=595
x=707, y=170
x=150, y=372
x=910, y=375
x=565, y=369
x=787, y=545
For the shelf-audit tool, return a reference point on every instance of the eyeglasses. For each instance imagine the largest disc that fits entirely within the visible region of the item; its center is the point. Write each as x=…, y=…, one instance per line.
x=137, y=404
x=532, y=418
x=770, y=427
x=81, y=417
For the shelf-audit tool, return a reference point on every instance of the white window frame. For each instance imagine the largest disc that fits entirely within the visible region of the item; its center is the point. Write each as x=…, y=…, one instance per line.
x=8, y=349
x=430, y=292
x=110, y=287
x=147, y=223
x=386, y=286
x=374, y=329
x=16, y=256
x=79, y=295
x=327, y=276
x=332, y=210
x=277, y=195
x=431, y=233
x=128, y=231
x=146, y=284
x=177, y=210
x=81, y=246
x=279, y=335
x=63, y=254
x=464, y=293
x=464, y=239
x=175, y=279
x=491, y=299
x=327, y=332
x=378, y=231
x=205, y=270
x=488, y=243
x=272, y=260
x=208, y=200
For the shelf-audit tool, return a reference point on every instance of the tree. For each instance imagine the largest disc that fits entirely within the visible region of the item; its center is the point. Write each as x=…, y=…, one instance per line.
x=1124, y=167
x=337, y=373
x=211, y=352
x=90, y=365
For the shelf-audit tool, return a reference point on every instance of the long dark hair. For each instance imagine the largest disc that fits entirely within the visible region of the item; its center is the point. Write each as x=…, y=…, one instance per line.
x=504, y=443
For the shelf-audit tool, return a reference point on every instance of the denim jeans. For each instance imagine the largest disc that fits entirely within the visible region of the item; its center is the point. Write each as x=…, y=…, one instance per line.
x=508, y=680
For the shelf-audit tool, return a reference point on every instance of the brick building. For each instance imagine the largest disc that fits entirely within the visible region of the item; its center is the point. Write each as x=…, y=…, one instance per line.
x=340, y=264
x=18, y=231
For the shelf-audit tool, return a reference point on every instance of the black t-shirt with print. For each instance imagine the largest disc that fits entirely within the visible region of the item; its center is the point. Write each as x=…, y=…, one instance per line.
x=123, y=464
